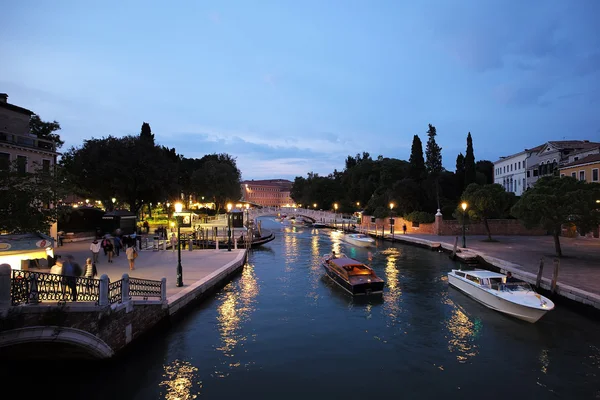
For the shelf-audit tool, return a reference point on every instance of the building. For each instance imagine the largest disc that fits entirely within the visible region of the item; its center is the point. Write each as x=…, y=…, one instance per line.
x=511, y=171
x=17, y=144
x=518, y=172
x=268, y=192
x=584, y=167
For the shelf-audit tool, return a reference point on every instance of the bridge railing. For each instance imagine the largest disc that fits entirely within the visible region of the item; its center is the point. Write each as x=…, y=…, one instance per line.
x=31, y=287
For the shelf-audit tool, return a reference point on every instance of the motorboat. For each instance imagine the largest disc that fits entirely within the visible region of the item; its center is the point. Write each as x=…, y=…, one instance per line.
x=318, y=225
x=359, y=239
x=491, y=289
x=353, y=276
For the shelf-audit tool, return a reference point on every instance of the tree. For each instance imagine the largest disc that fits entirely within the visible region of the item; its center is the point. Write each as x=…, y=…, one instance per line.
x=27, y=201
x=218, y=178
x=485, y=202
x=433, y=161
x=460, y=171
x=146, y=133
x=45, y=130
x=555, y=201
x=416, y=169
x=470, y=170
x=486, y=168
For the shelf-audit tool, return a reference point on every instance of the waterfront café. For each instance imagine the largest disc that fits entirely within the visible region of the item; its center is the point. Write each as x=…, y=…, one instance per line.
x=25, y=251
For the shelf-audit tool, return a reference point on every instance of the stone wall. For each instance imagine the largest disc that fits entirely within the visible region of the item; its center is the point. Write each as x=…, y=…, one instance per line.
x=451, y=227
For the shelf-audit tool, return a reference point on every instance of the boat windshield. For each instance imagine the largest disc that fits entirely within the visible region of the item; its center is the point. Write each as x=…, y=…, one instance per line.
x=512, y=287
x=354, y=270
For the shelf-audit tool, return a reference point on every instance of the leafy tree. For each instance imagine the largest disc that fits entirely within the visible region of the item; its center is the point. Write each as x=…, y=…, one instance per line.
x=417, y=170
x=470, y=170
x=485, y=202
x=486, y=168
x=28, y=201
x=218, y=178
x=433, y=160
x=45, y=130
x=555, y=201
x=460, y=171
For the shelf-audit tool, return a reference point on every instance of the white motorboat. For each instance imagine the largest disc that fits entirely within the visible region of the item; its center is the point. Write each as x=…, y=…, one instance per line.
x=491, y=289
x=359, y=239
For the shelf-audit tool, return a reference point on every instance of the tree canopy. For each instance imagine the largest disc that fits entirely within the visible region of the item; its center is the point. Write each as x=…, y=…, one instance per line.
x=553, y=202
x=45, y=130
x=486, y=202
x=470, y=168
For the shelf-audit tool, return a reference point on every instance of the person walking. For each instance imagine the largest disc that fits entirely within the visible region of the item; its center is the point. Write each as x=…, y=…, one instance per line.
x=104, y=242
x=90, y=269
x=70, y=278
x=132, y=254
x=404, y=229
x=118, y=245
x=173, y=242
x=95, y=248
x=109, y=248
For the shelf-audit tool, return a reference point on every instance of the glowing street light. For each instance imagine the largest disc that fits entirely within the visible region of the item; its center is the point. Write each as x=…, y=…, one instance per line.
x=178, y=209
x=392, y=220
x=464, y=206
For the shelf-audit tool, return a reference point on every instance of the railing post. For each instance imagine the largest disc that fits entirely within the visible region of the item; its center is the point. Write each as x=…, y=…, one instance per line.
x=125, y=288
x=5, y=275
x=103, y=295
x=163, y=289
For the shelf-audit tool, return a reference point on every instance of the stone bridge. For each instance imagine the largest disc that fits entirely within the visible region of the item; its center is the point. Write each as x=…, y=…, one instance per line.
x=93, y=329
x=327, y=217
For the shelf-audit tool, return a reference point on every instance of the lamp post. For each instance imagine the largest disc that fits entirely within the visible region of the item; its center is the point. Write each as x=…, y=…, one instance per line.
x=247, y=216
x=178, y=208
x=464, y=208
x=335, y=214
x=114, y=200
x=229, y=226
x=392, y=220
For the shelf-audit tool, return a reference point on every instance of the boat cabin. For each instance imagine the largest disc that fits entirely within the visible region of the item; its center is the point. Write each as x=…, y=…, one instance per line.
x=349, y=267
x=489, y=279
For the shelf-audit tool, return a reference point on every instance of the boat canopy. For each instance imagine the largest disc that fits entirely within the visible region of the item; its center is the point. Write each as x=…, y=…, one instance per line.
x=345, y=262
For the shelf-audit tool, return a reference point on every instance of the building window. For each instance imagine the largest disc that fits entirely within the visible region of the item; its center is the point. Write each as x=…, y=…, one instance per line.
x=535, y=172
x=46, y=166
x=528, y=174
x=595, y=175
x=561, y=175
x=4, y=161
x=519, y=164
x=574, y=174
x=575, y=158
x=582, y=175
x=523, y=182
x=21, y=164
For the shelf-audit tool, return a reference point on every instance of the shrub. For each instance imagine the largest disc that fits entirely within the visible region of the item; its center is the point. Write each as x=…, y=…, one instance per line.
x=420, y=217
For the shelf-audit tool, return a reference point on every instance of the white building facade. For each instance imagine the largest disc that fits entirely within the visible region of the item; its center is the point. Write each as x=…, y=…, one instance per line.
x=511, y=172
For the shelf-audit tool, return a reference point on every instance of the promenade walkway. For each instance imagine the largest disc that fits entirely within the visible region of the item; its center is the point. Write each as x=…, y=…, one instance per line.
x=197, y=265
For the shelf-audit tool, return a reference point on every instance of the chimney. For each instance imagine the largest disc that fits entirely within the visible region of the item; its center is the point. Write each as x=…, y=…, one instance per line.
x=3, y=98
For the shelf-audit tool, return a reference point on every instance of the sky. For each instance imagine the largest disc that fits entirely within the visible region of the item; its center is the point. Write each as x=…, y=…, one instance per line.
x=292, y=87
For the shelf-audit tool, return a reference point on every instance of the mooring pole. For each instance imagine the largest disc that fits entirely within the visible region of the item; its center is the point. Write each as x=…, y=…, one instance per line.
x=538, y=281
x=555, y=275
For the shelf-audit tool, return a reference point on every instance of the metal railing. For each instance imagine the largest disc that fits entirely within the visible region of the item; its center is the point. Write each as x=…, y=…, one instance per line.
x=30, y=287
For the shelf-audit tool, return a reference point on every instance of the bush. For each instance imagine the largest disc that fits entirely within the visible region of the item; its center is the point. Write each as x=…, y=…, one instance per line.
x=420, y=217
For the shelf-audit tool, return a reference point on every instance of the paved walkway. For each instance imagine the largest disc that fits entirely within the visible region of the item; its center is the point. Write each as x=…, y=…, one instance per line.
x=579, y=266
x=155, y=265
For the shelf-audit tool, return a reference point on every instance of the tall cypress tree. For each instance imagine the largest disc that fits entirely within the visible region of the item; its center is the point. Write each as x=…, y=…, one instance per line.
x=146, y=133
x=470, y=171
x=460, y=171
x=416, y=166
x=433, y=152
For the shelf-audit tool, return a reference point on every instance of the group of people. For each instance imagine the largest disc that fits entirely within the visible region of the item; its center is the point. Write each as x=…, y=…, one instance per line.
x=112, y=248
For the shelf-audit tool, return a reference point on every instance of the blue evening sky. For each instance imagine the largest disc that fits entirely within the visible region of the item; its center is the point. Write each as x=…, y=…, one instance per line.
x=289, y=87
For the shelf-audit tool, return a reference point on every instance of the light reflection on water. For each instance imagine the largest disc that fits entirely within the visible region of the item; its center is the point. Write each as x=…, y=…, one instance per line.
x=179, y=380
x=463, y=335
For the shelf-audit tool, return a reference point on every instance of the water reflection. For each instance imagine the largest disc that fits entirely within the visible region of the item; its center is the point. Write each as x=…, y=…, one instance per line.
x=393, y=295
x=544, y=360
x=179, y=379
x=237, y=304
x=463, y=333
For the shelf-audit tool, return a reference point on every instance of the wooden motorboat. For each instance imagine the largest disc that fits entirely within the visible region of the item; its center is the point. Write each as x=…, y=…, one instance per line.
x=352, y=275
x=491, y=289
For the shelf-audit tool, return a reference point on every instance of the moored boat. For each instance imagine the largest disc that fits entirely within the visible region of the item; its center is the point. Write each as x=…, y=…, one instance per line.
x=359, y=239
x=491, y=289
x=318, y=225
x=353, y=276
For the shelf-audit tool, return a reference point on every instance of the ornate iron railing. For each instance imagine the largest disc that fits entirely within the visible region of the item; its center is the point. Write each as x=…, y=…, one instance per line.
x=115, y=292
x=144, y=288
x=32, y=287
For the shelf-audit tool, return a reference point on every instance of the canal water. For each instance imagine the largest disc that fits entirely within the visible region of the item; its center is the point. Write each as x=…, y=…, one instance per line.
x=282, y=330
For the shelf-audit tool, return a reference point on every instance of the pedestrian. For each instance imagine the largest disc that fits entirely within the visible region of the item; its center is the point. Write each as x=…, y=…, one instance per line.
x=118, y=245
x=90, y=269
x=109, y=248
x=173, y=242
x=70, y=278
x=132, y=254
x=104, y=242
x=404, y=228
x=95, y=248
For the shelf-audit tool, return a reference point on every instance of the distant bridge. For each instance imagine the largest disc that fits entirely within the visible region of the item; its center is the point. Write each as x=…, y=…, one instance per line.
x=327, y=217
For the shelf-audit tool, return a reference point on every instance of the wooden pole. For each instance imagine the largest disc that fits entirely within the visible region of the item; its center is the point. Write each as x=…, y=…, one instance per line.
x=538, y=281
x=555, y=275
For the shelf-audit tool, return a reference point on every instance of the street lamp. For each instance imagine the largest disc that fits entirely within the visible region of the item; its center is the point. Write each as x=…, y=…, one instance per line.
x=335, y=214
x=464, y=208
x=178, y=208
x=229, y=226
x=247, y=215
x=392, y=220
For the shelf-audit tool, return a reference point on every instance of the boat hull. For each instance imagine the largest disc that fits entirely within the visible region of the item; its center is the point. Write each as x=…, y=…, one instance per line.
x=496, y=302
x=367, y=288
x=359, y=243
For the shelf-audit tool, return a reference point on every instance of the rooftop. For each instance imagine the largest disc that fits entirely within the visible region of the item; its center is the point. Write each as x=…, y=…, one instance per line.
x=592, y=158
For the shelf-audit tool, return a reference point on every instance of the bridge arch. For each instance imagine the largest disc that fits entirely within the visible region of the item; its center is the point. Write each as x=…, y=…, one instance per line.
x=83, y=342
